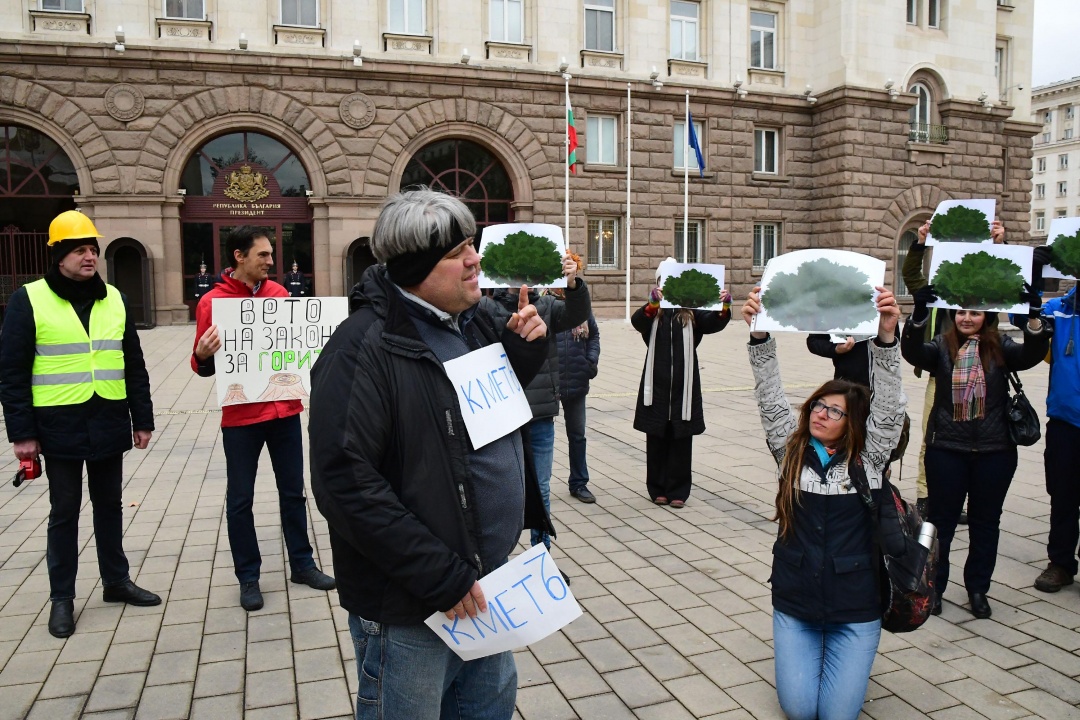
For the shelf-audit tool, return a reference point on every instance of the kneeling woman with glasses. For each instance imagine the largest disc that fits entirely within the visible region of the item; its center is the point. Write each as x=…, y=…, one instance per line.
x=826, y=605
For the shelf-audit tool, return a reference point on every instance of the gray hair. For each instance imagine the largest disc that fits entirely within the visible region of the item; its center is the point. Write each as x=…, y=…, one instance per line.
x=408, y=221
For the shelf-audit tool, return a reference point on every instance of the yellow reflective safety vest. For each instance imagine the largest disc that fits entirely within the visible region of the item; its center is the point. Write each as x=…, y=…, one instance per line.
x=69, y=364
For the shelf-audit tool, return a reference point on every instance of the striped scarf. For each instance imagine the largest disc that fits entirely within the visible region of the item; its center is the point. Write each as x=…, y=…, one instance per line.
x=968, y=383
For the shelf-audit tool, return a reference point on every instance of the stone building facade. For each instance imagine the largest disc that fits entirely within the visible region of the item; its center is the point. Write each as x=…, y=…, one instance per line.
x=1056, y=182
x=175, y=129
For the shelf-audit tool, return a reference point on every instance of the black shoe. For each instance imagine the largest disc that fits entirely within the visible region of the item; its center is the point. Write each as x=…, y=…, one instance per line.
x=937, y=607
x=584, y=495
x=250, y=596
x=922, y=506
x=980, y=606
x=62, y=618
x=130, y=593
x=314, y=578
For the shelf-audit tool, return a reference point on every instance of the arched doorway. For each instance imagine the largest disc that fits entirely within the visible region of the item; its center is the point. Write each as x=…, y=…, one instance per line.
x=132, y=272
x=37, y=183
x=466, y=170
x=244, y=178
x=358, y=259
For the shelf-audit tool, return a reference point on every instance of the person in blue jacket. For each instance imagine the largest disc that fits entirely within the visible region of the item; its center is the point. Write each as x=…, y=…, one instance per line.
x=1062, y=454
x=579, y=357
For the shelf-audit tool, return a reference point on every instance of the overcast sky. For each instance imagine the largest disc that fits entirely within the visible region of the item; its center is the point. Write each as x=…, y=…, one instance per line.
x=1057, y=41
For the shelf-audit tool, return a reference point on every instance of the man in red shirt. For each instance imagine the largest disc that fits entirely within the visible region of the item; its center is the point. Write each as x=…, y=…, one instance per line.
x=247, y=427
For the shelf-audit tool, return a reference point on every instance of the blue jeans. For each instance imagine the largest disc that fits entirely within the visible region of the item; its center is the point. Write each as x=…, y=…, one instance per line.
x=822, y=669
x=574, y=416
x=406, y=672
x=104, y=479
x=542, y=439
x=243, y=445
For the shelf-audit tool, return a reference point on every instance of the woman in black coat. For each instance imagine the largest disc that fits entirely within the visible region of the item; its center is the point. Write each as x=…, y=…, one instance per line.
x=968, y=449
x=669, y=408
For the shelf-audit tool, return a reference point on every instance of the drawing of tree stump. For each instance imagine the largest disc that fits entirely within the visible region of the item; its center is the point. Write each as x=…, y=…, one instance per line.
x=284, y=386
x=234, y=395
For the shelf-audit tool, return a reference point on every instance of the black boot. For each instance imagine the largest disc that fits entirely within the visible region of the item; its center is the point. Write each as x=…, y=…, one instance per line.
x=980, y=606
x=130, y=593
x=62, y=618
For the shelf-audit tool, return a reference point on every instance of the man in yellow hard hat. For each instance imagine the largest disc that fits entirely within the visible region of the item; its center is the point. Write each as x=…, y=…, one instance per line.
x=74, y=388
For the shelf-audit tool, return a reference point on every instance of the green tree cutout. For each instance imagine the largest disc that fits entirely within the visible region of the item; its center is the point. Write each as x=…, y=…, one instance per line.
x=1065, y=254
x=692, y=289
x=523, y=258
x=820, y=295
x=960, y=224
x=980, y=281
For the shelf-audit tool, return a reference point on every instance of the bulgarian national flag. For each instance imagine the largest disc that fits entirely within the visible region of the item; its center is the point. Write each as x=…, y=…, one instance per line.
x=571, y=137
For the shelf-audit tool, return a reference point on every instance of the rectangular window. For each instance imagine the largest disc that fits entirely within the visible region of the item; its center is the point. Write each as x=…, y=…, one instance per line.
x=506, y=20
x=1069, y=113
x=766, y=243
x=1040, y=191
x=1063, y=188
x=912, y=12
x=62, y=5
x=300, y=12
x=603, y=243
x=600, y=25
x=684, y=30
x=1046, y=137
x=1040, y=221
x=693, y=241
x=1040, y=164
x=407, y=17
x=185, y=9
x=1067, y=134
x=933, y=13
x=1061, y=212
x=601, y=144
x=679, y=140
x=766, y=150
x=1047, y=117
x=1063, y=161
x=763, y=40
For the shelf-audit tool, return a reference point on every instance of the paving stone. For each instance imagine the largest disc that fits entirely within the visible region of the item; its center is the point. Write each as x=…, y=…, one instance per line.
x=128, y=658
x=982, y=699
x=223, y=646
x=1045, y=705
x=165, y=702
x=219, y=678
x=1060, y=686
x=312, y=635
x=636, y=687
x=275, y=712
x=218, y=707
x=170, y=668
x=990, y=675
x=916, y=691
x=606, y=655
x=664, y=662
x=266, y=689
x=70, y=679
x=759, y=697
x=29, y=667
x=544, y=702
x=62, y=708
x=530, y=671
x=317, y=665
x=602, y=707
x=575, y=679
x=324, y=699
x=175, y=638
x=269, y=655
x=723, y=669
x=114, y=692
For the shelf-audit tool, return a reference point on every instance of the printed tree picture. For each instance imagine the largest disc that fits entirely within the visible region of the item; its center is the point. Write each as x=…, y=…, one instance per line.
x=523, y=258
x=960, y=224
x=692, y=289
x=980, y=281
x=819, y=296
x=1065, y=254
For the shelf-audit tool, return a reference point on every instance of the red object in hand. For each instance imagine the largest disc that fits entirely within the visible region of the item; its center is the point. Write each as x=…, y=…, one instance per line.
x=28, y=470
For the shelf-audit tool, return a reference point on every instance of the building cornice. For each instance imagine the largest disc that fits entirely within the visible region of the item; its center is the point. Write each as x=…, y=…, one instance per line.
x=1021, y=128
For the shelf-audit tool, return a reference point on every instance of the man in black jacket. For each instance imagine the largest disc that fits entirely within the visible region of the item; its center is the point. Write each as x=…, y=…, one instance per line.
x=75, y=389
x=416, y=513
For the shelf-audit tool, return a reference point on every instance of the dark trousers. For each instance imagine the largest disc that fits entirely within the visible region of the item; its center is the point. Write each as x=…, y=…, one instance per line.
x=243, y=445
x=983, y=478
x=1062, y=462
x=104, y=481
x=574, y=417
x=668, y=465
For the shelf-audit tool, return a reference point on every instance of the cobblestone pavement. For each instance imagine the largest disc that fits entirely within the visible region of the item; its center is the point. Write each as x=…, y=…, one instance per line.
x=677, y=612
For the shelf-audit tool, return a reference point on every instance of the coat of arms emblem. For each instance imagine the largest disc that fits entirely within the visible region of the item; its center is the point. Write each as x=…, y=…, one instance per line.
x=244, y=185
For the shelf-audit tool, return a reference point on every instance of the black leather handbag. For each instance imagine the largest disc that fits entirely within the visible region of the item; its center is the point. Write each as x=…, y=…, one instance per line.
x=1024, y=425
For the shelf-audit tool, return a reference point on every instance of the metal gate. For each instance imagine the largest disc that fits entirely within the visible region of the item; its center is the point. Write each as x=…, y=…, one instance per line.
x=24, y=257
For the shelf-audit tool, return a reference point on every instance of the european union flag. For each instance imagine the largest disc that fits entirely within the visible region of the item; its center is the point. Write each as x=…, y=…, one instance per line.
x=696, y=146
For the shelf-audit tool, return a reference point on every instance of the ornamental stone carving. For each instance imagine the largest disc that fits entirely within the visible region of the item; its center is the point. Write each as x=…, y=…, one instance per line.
x=124, y=102
x=357, y=110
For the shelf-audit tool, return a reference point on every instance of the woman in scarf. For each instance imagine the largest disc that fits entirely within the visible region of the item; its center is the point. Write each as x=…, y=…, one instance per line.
x=968, y=450
x=825, y=596
x=669, y=408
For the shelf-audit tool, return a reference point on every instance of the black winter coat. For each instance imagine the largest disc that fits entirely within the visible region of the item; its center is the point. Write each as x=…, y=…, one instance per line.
x=854, y=365
x=93, y=430
x=560, y=315
x=578, y=360
x=390, y=459
x=668, y=372
x=991, y=433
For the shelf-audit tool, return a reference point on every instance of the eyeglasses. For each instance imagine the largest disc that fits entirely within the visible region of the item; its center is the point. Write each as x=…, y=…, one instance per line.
x=834, y=413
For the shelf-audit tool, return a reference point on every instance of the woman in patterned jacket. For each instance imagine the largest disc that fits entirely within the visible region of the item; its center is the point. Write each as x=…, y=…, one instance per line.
x=826, y=605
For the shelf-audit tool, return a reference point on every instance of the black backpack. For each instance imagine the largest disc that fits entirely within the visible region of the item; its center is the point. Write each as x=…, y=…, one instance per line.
x=906, y=571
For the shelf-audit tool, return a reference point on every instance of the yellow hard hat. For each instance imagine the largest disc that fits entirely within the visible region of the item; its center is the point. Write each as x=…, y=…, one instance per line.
x=71, y=225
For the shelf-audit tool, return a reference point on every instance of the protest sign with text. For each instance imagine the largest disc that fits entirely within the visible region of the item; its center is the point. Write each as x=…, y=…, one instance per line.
x=527, y=600
x=268, y=345
x=492, y=400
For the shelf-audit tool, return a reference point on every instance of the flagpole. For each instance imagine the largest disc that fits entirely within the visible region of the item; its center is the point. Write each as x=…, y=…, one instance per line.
x=628, y=116
x=566, y=169
x=686, y=180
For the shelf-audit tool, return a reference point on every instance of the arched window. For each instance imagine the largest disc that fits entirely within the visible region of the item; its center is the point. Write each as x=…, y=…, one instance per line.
x=909, y=236
x=919, y=115
x=227, y=150
x=33, y=165
x=468, y=171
